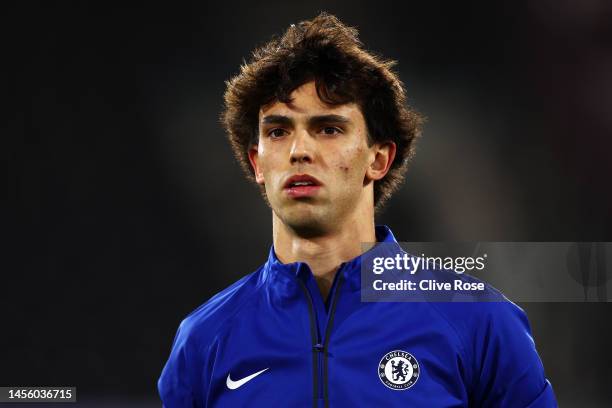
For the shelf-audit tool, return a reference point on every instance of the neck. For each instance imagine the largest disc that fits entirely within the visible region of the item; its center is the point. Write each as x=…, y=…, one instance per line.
x=325, y=252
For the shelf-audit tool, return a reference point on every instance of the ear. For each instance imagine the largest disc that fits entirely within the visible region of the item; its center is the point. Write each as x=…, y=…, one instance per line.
x=254, y=159
x=382, y=157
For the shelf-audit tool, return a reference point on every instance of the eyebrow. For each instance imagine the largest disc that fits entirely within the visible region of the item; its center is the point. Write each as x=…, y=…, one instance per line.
x=312, y=120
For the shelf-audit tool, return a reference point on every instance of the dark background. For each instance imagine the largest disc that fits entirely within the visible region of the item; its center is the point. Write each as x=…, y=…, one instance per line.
x=131, y=211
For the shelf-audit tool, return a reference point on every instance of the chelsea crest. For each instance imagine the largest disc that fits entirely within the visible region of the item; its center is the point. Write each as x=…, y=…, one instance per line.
x=398, y=370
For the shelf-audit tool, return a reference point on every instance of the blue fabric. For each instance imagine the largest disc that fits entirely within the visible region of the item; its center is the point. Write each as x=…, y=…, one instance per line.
x=477, y=354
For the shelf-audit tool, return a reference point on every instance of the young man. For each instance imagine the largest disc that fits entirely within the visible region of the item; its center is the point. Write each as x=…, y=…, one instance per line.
x=323, y=127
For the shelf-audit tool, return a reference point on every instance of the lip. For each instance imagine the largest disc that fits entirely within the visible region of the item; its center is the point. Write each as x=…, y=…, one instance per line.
x=301, y=191
x=301, y=177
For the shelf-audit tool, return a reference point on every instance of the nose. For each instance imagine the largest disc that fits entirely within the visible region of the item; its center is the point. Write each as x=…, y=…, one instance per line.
x=302, y=148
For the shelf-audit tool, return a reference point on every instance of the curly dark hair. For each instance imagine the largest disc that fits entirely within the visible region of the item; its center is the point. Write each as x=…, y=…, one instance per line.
x=330, y=53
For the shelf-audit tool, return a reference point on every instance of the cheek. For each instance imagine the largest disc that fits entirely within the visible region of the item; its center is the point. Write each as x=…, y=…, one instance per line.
x=351, y=163
x=266, y=160
x=272, y=168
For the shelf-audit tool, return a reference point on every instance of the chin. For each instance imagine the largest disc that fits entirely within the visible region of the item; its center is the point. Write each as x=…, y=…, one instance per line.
x=305, y=221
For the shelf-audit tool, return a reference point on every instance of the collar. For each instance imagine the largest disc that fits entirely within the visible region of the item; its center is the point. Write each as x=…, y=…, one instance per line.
x=275, y=272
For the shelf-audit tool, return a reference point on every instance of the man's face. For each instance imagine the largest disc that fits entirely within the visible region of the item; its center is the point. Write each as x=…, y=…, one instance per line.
x=313, y=159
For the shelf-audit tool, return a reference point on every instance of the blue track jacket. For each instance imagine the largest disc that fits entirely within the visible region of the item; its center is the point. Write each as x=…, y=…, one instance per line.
x=271, y=340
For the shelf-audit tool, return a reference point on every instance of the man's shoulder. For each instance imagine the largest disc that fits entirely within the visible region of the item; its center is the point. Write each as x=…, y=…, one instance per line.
x=499, y=349
x=479, y=313
x=204, y=322
x=473, y=317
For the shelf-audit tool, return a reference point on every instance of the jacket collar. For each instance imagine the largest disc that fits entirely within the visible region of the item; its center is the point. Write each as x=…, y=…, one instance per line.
x=274, y=271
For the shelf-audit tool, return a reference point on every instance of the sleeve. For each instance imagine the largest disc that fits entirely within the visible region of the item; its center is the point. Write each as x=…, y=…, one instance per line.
x=178, y=384
x=509, y=372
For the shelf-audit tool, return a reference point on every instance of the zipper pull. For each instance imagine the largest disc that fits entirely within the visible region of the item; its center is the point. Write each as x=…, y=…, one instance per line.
x=319, y=347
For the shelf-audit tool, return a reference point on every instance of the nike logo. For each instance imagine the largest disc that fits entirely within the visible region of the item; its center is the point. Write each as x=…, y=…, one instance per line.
x=232, y=385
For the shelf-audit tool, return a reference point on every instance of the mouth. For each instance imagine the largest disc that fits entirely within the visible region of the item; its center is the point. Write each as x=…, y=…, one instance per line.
x=301, y=185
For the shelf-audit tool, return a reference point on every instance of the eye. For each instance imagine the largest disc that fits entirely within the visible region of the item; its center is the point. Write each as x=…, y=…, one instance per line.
x=331, y=130
x=277, y=132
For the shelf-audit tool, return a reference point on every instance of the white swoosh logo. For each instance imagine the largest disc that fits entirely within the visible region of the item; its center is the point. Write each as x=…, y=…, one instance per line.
x=232, y=385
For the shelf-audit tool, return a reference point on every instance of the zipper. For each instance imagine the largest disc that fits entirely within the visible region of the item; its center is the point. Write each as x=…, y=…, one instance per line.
x=314, y=335
x=319, y=344
x=328, y=329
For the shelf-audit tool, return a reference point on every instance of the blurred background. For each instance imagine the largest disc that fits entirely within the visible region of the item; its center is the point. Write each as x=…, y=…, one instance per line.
x=130, y=210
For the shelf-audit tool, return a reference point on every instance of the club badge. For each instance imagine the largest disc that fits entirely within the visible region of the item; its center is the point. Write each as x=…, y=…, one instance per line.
x=398, y=370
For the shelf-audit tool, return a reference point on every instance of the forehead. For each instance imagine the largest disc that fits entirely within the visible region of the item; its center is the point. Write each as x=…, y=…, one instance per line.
x=305, y=103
